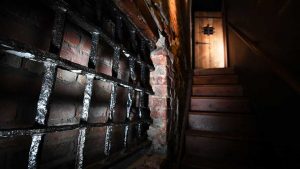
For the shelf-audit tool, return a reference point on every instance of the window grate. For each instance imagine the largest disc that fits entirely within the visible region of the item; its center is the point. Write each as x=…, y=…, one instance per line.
x=51, y=61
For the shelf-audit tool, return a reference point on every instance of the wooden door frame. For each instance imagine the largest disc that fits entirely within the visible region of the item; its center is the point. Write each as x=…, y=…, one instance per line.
x=225, y=34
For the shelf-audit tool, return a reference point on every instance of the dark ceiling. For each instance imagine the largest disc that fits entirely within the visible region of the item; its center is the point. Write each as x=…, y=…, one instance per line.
x=207, y=5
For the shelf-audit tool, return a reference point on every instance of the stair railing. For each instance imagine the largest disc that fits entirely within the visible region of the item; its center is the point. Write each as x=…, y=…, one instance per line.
x=185, y=118
x=277, y=68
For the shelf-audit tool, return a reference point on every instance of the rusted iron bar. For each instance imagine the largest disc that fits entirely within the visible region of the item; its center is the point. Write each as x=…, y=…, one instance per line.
x=87, y=97
x=105, y=163
x=20, y=50
x=80, y=147
x=92, y=29
x=47, y=85
x=53, y=129
x=34, y=151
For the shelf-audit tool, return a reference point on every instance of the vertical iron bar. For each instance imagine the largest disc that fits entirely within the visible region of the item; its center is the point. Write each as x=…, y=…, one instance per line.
x=87, y=97
x=116, y=59
x=48, y=82
x=93, y=54
x=142, y=48
x=80, y=148
x=119, y=25
x=113, y=98
x=58, y=30
x=34, y=151
x=133, y=39
x=143, y=75
x=132, y=69
x=126, y=136
x=128, y=111
x=115, y=70
x=129, y=103
x=107, y=146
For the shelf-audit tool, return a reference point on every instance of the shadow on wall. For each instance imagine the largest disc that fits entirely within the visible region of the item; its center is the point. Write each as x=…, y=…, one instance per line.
x=274, y=102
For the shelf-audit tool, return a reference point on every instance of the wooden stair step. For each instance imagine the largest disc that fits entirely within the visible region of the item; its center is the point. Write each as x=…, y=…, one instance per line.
x=214, y=71
x=217, y=90
x=194, y=162
x=220, y=147
x=215, y=79
x=219, y=104
x=220, y=122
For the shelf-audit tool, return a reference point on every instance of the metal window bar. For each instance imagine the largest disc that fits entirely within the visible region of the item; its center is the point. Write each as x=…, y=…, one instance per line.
x=52, y=61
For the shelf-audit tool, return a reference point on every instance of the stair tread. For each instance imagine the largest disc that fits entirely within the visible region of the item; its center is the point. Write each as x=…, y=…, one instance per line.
x=210, y=71
x=217, y=90
x=195, y=162
x=219, y=135
x=221, y=114
x=218, y=75
x=220, y=104
x=217, y=85
x=228, y=98
x=221, y=97
x=215, y=79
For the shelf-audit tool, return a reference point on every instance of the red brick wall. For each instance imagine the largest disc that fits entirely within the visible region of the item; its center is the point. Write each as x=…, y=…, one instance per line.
x=21, y=81
x=162, y=103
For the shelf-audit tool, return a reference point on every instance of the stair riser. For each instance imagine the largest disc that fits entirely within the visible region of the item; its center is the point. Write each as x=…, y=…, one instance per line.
x=213, y=71
x=217, y=90
x=219, y=105
x=218, y=79
x=223, y=124
x=222, y=149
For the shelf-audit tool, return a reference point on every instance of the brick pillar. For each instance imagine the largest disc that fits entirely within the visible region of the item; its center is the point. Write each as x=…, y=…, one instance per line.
x=161, y=104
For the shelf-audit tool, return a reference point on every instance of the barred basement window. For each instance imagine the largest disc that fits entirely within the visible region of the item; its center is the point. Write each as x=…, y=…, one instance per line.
x=129, y=78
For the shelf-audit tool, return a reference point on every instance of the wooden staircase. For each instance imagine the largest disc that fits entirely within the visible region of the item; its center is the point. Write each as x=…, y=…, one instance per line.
x=221, y=128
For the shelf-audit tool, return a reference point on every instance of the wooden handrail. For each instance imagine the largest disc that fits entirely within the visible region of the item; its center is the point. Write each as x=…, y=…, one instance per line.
x=277, y=68
x=185, y=118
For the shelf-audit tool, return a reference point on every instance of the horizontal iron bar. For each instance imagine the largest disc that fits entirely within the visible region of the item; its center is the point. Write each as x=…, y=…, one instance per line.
x=20, y=50
x=52, y=129
x=129, y=21
x=92, y=29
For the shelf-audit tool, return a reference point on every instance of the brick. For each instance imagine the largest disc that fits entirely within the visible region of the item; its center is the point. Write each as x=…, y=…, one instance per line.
x=34, y=67
x=160, y=124
x=62, y=113
x=159, y=115
x=8, y=110
x=159, y=60
x=158, y=104
x=161, y=90
x=66, y=75
x=159, y=70
x=72, y=37
x=10, y=60
x=159, y=51
x=158, y=80
x=102, y=68
x=59, y=149
x=95, y=140
x=86, y=44
x=74, y=55
x=81, y=79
